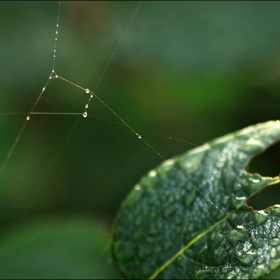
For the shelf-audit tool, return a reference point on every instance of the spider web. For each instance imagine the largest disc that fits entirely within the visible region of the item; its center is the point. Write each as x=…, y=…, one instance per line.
x=65, y=160
x=49, y=163
x=54, y=159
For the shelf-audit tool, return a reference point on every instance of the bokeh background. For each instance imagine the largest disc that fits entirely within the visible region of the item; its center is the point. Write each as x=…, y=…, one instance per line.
x=192, y=71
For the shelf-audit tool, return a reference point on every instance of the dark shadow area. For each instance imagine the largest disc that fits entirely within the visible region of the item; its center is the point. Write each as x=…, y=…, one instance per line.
x=266, y=164
x=268, y=197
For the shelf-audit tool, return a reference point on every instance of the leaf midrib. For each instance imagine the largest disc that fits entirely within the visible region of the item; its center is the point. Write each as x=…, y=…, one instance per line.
x=181, y=251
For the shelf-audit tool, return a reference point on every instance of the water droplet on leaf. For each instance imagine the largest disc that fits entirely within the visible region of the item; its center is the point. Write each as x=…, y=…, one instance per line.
x=273, y=253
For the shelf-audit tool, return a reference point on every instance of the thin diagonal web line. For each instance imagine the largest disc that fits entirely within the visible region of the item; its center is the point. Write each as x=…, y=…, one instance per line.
x=4, y=164
x=53, y=75
x=101, y=119
x=106, y=67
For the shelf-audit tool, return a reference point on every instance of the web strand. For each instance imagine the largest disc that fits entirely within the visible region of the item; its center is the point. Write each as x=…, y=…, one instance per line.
x=56, y=37
x=118, y=44
x=3, y=166
x=151, y=147
x=58, y=154
x=87, y=91
x=138, y=135
x=105, y=120
x=85, y=114
x=12, y=149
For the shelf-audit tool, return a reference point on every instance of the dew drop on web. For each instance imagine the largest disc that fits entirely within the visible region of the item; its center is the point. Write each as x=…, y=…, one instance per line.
x=85, y=114
x=86, y=106
x=87, y=91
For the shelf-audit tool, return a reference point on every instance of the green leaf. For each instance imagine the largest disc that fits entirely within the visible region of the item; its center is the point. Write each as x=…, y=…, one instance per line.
x=53, y=248
x=189, y=218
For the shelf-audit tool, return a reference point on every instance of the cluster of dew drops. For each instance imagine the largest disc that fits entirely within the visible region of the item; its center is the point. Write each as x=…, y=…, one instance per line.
x=85, y=114
x=87, y=91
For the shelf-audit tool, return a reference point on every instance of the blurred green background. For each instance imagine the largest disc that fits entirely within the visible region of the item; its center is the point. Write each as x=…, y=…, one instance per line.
x=193, y=71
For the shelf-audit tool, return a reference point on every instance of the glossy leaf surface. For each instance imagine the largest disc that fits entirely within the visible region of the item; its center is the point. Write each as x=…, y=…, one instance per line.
x=189, y=218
